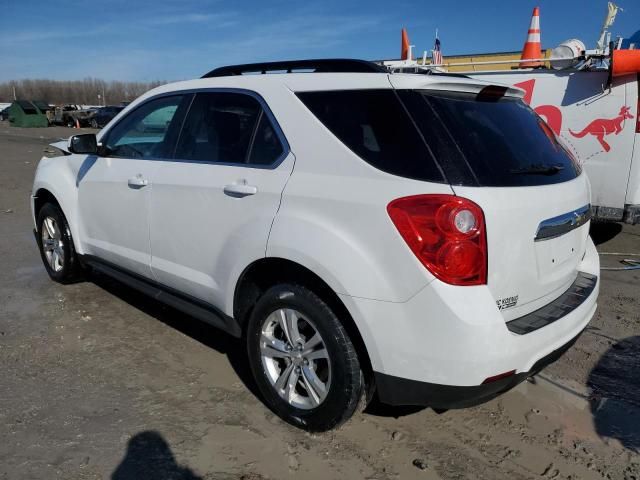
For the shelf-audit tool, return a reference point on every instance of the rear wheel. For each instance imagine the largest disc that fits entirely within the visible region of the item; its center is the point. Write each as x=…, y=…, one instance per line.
x=56, y=245
x=94, y=123
x=304, y=363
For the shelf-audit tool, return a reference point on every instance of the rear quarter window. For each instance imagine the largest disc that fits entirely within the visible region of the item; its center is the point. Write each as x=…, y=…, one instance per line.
x=377, y=128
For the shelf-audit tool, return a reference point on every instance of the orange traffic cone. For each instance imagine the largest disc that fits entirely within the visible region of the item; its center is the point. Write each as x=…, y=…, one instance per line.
x=404, y=51
x=532, y=47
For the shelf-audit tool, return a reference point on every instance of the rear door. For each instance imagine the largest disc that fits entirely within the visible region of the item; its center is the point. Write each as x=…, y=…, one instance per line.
x=214, y=203
x=114, y=188
x=497, y=152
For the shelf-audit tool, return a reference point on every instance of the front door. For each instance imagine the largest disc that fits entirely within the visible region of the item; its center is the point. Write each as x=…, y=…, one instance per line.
x=114, y=188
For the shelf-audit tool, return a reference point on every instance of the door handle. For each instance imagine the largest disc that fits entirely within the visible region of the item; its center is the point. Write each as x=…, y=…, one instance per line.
x=138, y=181
x=239, y=190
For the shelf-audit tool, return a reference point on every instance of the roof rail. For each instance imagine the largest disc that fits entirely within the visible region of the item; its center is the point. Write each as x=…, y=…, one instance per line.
x=290, y=66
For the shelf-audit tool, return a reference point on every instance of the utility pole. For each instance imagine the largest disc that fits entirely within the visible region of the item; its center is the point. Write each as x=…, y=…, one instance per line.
x=14, y=93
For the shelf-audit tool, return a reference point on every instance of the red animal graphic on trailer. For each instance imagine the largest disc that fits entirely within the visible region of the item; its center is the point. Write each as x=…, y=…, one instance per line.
x=601, y=127
x=551, y=114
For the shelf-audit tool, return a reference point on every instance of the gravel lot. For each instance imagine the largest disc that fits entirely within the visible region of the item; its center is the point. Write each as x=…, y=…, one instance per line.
x=98, y=382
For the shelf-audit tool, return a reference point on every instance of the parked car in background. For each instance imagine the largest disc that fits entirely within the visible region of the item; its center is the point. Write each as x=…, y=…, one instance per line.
x=63, y=115
x=103, y=115
x=431, y=244
x=4, y=113
x=72, y=115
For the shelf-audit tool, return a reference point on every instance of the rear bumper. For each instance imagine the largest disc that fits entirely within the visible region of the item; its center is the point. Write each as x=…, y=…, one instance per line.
x=440, y=347
x=401, y=391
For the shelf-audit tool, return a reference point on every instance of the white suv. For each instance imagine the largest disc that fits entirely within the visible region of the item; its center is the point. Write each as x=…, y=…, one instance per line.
x=420, y=237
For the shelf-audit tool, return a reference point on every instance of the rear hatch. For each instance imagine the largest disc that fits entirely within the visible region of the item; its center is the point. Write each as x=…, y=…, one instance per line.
x=495, y=151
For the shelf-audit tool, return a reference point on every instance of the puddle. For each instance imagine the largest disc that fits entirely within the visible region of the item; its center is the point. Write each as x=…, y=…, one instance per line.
x=36, y=269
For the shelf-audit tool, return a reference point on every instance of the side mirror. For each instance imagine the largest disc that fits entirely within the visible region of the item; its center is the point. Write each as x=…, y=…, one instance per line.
x=84, y=144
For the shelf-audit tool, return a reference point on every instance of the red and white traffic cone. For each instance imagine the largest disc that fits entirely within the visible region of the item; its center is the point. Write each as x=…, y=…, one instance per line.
x=532, y=48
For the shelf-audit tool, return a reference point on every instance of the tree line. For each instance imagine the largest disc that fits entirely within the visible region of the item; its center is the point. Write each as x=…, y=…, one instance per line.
x=90, y=91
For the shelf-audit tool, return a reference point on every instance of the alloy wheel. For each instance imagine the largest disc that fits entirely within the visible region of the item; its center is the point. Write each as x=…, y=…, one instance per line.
x=52, y=243
x=295, y=358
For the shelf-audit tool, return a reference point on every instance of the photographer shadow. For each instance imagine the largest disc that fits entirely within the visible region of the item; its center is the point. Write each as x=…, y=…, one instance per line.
x=149, y=457
x=615, y=390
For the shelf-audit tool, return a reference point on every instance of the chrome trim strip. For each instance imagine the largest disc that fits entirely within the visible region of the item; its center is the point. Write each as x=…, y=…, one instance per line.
x=556, y=226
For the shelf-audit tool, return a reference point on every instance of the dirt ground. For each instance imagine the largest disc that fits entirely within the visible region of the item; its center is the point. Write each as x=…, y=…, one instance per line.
x=99, y=382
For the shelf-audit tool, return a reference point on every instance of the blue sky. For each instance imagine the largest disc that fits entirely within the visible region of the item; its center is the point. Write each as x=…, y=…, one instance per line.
x=162, y=40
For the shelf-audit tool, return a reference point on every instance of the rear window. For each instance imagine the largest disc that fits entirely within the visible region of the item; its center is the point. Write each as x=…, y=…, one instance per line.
x=444, y=136
x=376, y=127
x=492, y=142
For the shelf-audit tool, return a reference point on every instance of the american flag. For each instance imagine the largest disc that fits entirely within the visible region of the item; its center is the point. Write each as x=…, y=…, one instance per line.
x=436, y=53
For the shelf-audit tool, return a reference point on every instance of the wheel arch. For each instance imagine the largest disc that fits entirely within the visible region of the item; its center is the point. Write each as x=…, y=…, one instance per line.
x=41, y=197
x=266, y=272
x=44, y=193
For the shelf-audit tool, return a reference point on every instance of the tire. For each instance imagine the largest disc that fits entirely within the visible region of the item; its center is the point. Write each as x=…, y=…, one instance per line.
x=94, y=123
x=332, y=363
x=56, y=245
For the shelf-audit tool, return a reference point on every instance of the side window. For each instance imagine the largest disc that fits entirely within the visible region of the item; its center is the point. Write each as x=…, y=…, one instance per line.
x=219, y=127
x=266, y=146
x=375, y=126
x=146, y=132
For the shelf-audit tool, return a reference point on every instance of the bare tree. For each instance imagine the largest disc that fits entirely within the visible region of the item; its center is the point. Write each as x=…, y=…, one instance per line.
x=89, y=91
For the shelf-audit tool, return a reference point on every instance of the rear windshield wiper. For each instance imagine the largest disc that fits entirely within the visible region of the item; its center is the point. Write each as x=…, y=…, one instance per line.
x=537, y=170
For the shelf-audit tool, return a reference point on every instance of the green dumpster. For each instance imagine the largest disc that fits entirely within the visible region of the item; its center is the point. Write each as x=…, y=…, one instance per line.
x=23, y=113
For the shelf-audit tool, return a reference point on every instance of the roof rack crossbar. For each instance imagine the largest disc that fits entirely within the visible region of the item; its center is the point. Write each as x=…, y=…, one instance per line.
x=342, y=65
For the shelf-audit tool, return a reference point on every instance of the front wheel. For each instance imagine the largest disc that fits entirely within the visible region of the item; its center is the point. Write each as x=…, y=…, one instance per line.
x=56, y=245
x=303, y=361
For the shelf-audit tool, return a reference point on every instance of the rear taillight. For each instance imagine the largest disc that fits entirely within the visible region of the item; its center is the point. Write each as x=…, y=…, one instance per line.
x=446, y=233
